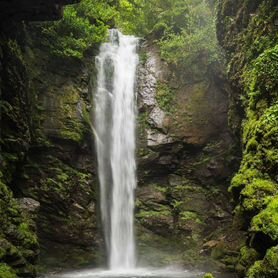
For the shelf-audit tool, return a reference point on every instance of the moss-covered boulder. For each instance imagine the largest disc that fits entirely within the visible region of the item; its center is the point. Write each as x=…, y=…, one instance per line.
x=266, y=268
x=248, y=256
x=46, y=149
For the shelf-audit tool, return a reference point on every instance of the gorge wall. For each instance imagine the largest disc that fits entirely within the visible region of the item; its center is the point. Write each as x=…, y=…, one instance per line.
x=47, y=192
x=190, y=124
x=186, y=157
x=247, y=30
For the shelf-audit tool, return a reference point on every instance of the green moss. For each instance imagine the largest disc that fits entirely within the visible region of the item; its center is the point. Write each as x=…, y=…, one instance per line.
x=257, y=194
x=208, y=275
x=143, y=57
x=261, y=79
x=18, y=241
x=74, y=130
x=251, y=44
x=241, y=179
x=247, y=258
x=267, y=220
x=160, y=212
x=190, y=216
x=165, y=97
x=59, y=177
x=29, y=238
x=267, y=268
x=6, y=271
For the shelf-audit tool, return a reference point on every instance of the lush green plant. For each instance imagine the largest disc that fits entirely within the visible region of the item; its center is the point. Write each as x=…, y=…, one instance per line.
x=165, y=97
x=82, y=26
x=184, y=29
x=247, y=258
x=208, y=275
x=256, y=194
x=267, y=220
x=267, y=268
x=6, y=271
x=262, y=78
x=189, y=39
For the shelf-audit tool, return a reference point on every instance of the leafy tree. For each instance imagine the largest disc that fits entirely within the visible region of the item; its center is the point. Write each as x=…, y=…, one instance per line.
x=82, y=26
x=194, y=39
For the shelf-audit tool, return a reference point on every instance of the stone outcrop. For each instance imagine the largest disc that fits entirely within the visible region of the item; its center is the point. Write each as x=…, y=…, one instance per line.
x=186, y=155
x=36, y=165
x=59, y=170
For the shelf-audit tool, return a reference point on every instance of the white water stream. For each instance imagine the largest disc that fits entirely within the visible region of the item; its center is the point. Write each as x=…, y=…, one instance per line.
x=115, y=117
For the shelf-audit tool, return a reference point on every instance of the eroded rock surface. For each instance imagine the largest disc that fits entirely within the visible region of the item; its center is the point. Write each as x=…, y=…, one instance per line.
x=186, y=157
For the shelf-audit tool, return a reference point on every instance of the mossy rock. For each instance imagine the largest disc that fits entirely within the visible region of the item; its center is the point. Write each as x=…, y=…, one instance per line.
x=247, y=258
x=266, y=268
x=266, y=222
x=257, y=194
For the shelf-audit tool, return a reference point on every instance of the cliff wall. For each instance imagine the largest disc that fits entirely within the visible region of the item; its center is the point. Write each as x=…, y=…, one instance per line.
x=247, y=30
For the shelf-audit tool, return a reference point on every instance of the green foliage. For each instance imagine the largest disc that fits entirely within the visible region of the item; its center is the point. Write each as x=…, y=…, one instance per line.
x=162, y=211
x=6, y=271
x=190, y=216
x=132, y=16
x=262, y=78
x=18, y=240
x=267, y=220
x=208, y=275
x=29, y=238
x=241, y=179
x=165, y=97
x=247, y=258
x=184, y=29
x=267, y=268
x=82, y=26
x=256, y=194
x=192, y=39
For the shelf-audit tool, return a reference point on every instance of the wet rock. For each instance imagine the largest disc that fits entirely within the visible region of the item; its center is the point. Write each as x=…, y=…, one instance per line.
x=175, y=180
x=156, y=139
x=150, y=196
x=210, y=244
x=156, y=118
x=146, y=88
x=29, y=205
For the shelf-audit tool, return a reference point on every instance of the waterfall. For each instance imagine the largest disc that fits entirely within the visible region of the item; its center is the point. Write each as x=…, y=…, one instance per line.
x=115, y=116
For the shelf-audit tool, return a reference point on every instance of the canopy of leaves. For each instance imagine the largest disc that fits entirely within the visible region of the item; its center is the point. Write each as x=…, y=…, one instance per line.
x=82, y=26
x=184, y=29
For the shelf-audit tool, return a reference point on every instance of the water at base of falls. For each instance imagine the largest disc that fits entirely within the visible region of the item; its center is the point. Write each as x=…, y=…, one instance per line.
x=167, y=272
x=136, y=273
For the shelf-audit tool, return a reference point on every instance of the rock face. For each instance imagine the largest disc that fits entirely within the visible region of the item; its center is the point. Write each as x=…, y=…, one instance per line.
x=186, y=156
x=46, y=177
x=248, y=33
x=59, y=170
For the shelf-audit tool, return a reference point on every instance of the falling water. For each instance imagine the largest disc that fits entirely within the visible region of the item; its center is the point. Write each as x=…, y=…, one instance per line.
x=115, y=127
